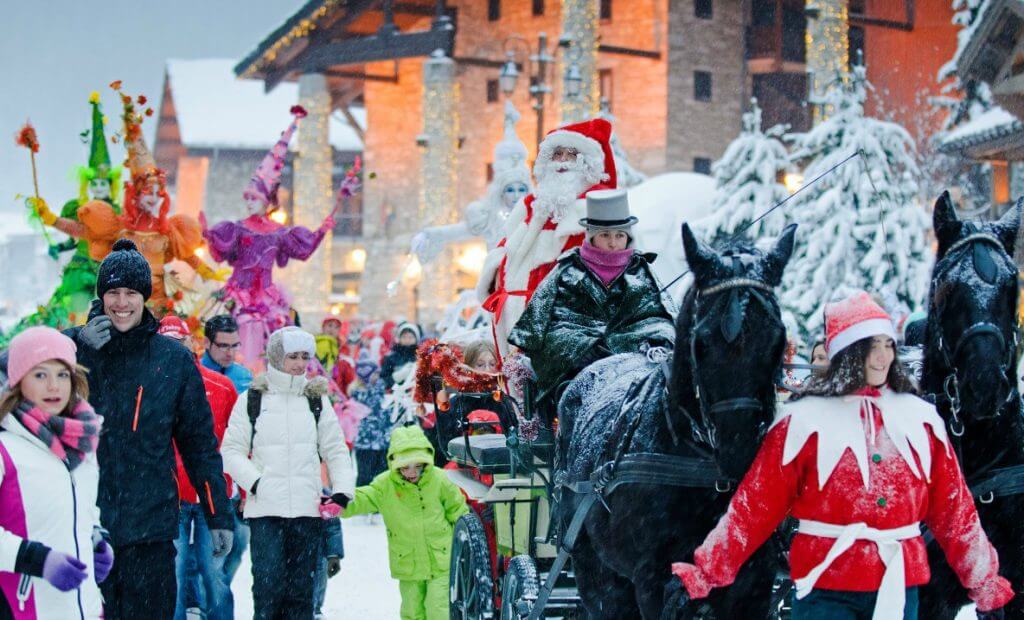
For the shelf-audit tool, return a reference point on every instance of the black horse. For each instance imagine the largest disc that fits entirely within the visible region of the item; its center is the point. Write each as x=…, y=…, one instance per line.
x=715, y=404
x=970, y=362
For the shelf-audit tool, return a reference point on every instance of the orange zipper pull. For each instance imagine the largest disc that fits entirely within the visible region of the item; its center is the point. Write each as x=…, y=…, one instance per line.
x=138, y=406
x=209, y=498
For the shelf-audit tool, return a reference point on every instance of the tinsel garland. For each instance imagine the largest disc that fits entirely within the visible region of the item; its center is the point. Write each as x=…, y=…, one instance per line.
x=439, y=359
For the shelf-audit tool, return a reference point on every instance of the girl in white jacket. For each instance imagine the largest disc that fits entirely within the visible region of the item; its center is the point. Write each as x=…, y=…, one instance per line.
x=53, y=552
x=279, y=432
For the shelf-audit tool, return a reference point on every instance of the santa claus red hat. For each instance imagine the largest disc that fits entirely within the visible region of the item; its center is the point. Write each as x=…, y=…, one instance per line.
x=591, y=138
x=173, y=327
x=855, y=318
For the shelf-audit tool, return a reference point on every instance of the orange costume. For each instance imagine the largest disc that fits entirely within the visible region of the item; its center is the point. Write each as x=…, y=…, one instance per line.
x=159, y=238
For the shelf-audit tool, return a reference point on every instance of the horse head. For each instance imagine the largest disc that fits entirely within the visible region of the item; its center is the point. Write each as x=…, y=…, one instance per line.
x=971, y=346
x=730, y=342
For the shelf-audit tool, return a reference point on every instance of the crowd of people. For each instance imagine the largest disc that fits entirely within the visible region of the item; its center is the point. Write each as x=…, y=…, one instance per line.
x=177, y=460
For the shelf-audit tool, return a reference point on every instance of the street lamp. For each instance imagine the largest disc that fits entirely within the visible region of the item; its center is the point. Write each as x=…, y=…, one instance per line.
x=509, y=75
x=573, y=81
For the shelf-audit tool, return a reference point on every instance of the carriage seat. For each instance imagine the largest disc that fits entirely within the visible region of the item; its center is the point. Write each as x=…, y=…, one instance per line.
x=488, y=453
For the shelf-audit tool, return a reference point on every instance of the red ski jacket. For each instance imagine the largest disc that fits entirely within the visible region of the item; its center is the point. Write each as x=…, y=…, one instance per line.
x=875, y=459
x=222, y=396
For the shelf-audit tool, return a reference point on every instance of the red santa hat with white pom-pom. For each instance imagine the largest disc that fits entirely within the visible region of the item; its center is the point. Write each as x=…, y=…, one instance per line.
x=852, y=319
x=590, y=139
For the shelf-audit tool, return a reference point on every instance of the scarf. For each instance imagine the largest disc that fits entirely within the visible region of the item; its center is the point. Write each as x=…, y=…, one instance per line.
x=605, y=264
x=71, y=438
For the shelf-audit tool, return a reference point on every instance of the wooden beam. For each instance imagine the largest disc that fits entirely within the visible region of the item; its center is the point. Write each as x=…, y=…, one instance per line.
x=629, y=51
x=353, y=123
x=362, y=75
x=379, y=47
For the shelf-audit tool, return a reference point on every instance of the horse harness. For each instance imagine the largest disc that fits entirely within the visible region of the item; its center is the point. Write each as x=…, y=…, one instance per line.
x=989, y=483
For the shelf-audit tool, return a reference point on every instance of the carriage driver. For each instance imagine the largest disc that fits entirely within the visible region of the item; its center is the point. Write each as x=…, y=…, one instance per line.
x=601, y=299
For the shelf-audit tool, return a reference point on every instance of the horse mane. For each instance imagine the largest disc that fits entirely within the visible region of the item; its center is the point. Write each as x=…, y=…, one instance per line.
x=681, y=392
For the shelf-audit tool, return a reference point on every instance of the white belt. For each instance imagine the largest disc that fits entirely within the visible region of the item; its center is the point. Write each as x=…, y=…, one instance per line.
x=892, y=592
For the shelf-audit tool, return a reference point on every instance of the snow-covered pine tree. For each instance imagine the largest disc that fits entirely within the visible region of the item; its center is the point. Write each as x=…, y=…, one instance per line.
x=856, y=231
x=747, y=183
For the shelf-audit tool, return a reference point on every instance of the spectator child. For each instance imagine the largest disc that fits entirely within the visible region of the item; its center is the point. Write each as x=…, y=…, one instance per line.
x=420, y=506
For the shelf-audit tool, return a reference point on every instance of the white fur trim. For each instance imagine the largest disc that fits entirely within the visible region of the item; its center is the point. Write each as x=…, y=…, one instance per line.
x=489, y=273
x=298, y=340
x=588, y=147
x=839, y=426
x=860, y=331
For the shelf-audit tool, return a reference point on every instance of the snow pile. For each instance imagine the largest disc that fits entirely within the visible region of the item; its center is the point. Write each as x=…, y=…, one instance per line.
x=747, y=186
x=860, y=225
x=662, y=204
x=215, y=109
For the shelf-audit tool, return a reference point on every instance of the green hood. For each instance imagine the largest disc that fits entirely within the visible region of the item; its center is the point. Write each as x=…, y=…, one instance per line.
x=409, y=445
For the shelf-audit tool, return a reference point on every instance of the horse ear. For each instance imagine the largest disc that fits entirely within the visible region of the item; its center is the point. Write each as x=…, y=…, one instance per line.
x=946, y=223
x=777, y=259
x=1007, y=227
x=701, y=258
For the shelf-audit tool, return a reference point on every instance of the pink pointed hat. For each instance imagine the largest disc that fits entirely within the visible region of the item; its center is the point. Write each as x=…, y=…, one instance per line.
x=267, y=178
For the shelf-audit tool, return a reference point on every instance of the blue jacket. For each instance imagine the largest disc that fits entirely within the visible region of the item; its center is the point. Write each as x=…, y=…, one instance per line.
x=239, y=375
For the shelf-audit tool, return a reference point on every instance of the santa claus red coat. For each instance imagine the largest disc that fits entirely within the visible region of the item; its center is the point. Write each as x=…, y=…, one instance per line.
x=513, y=270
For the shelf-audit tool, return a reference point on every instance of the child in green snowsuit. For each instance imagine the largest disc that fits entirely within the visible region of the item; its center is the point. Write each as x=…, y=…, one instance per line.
x=420, y=506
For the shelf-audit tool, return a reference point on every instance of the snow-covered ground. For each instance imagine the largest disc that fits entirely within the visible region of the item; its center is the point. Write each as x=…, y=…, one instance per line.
x=363, y=589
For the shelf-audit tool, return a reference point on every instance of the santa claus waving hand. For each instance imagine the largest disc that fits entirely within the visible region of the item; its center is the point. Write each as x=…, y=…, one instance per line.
x=571, y=161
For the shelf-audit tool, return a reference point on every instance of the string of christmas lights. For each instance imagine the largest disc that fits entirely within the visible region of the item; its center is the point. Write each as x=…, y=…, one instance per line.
x=828, y=49
x=580, y=20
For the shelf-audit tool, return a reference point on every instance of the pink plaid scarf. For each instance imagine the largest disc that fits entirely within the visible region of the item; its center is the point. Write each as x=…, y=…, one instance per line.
x=69, y=437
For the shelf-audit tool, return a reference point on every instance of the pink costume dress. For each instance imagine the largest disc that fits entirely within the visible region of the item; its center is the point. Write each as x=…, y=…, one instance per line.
x=251, y=247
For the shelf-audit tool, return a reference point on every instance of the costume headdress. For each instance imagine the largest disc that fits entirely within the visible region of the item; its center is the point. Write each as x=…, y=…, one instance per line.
x=267, y=178
x=139, y=159
x=591, y=139
x=99, y=156
x=509, y=156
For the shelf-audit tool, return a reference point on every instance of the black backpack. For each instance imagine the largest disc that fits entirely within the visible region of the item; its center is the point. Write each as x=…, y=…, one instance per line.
x=255, y=403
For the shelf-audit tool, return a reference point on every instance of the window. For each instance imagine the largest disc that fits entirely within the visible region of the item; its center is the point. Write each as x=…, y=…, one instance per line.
x=856, y=41
x=493, y=91
x=606, y=9
x=538, y=8
x=762, y=13
x=702, y=85
x=703, y=9
x=605, y=87
x=702, y=165
x=493, y=10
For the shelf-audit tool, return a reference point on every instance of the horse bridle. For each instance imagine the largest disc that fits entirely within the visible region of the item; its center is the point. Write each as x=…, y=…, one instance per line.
x=951, y=384
x=740, y=403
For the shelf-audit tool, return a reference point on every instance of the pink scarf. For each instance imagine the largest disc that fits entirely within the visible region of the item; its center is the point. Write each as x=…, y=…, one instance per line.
x=71, y=438
x=606, y=264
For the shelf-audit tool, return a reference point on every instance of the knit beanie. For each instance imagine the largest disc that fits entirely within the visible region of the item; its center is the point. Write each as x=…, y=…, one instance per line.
x=287, y=340
x=124, y=267
x=406, y=326
x=34, y=346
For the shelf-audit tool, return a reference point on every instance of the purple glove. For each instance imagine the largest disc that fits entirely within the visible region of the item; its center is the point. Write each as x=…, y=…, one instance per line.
x=63, y=571
x=102, y=560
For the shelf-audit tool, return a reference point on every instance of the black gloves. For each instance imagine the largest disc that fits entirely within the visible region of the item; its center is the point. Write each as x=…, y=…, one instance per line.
x=340, y=499
x=676, y=598
x=995, y=614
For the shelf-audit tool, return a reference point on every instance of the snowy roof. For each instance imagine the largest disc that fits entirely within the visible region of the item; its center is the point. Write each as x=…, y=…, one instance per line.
x=993, y=124
x=216, y=109
x=969, y=57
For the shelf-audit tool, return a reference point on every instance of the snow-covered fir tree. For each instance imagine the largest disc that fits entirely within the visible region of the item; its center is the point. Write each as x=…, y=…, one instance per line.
x=861, y=226
x=747, y=183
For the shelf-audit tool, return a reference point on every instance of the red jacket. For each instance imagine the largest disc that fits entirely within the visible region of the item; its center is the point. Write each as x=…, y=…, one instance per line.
x=222, y=396
x=854, y=471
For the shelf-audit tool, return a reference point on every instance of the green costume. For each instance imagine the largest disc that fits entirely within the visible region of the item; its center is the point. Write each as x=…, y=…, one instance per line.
x=69, y=304
x=420, y=519
x=573, y=319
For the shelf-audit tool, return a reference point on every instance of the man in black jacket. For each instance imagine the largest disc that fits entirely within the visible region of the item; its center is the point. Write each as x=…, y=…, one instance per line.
x=149, y=392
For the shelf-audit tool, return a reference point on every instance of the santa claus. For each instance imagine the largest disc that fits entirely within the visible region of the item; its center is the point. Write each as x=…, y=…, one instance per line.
x=571, y=161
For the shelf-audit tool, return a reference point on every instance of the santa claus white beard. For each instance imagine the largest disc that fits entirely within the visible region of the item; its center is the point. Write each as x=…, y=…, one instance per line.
x=557, y=191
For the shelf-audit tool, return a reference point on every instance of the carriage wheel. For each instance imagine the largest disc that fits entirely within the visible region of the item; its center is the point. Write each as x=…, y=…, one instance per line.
x=470, y=589
x=519, y=588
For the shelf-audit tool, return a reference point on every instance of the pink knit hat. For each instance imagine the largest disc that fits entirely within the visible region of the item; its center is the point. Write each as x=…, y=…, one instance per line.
x=34, y=346
x=852, y=319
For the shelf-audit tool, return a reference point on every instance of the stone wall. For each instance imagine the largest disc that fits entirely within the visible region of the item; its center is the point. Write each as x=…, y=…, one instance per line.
x=703, y=129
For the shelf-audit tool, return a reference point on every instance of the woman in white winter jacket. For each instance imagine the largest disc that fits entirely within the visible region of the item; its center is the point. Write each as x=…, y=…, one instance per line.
x=53, y=552
x=277, y=461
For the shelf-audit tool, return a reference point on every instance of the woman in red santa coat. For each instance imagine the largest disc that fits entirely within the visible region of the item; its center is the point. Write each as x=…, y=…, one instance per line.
x=861, y=463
